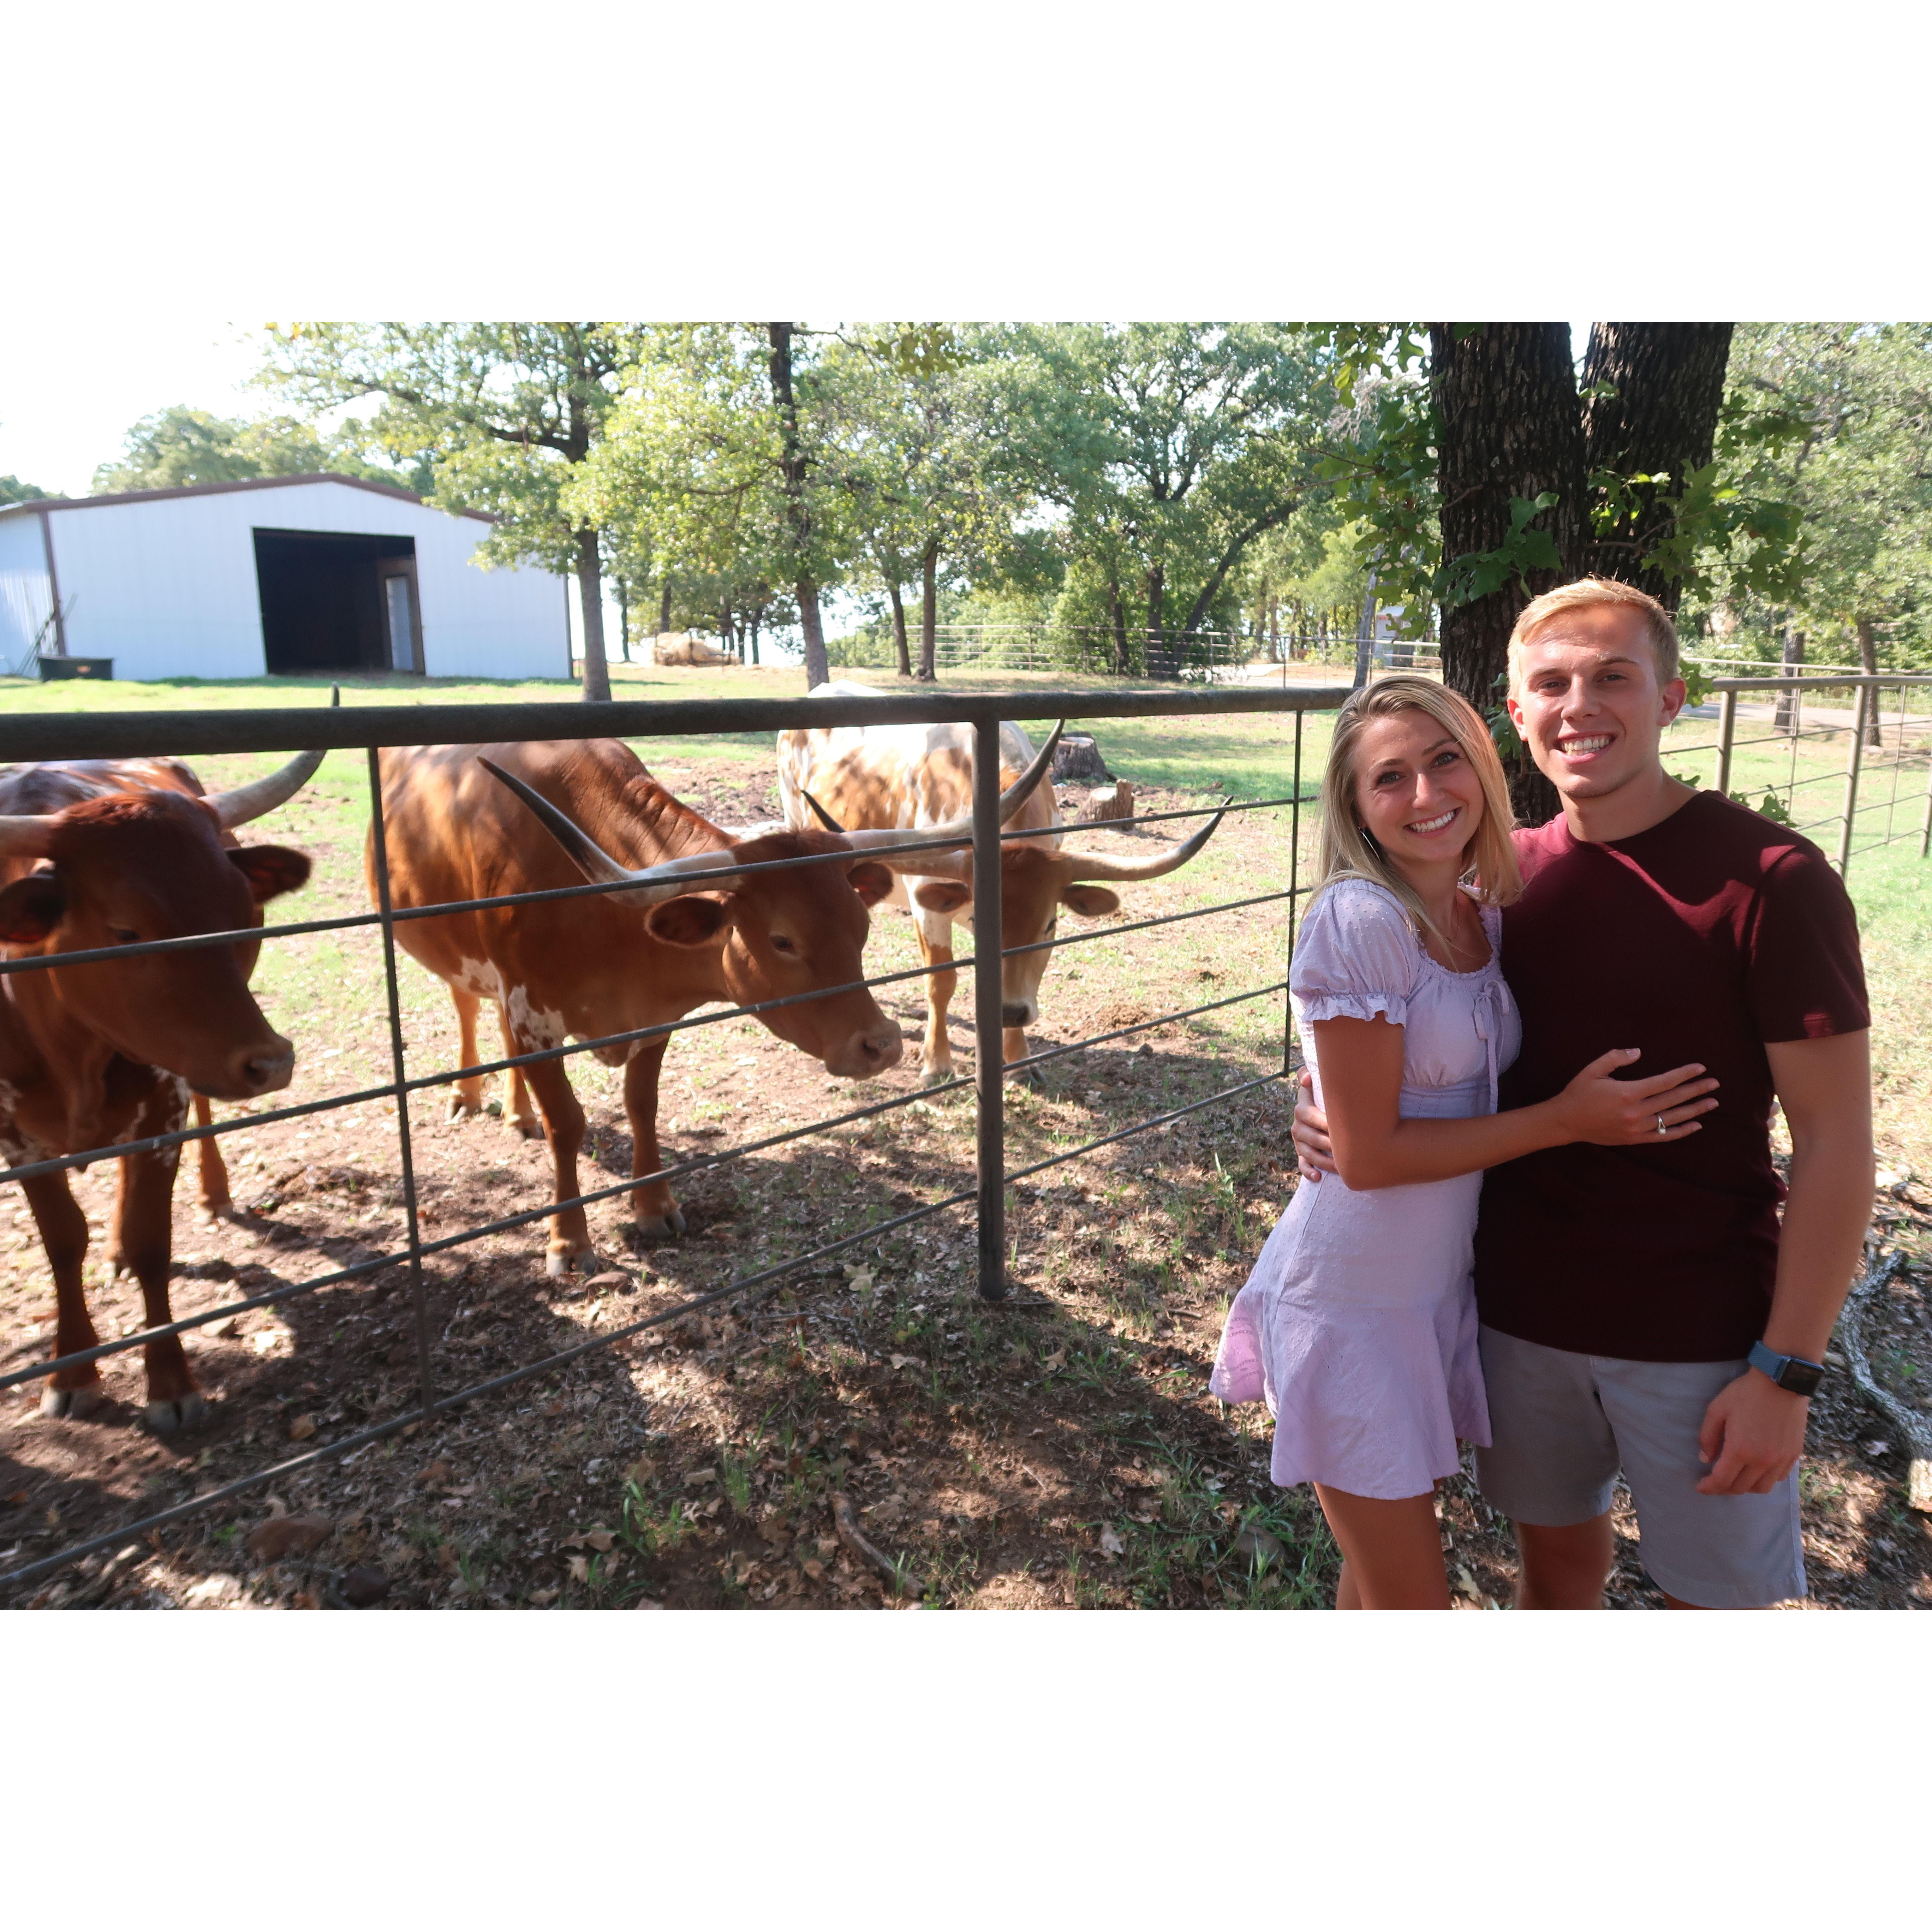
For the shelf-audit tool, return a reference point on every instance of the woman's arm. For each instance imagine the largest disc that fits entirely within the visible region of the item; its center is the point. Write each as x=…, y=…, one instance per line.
x=1361, y=1063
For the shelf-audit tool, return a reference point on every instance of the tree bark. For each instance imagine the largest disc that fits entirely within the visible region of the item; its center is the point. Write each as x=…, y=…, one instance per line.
x=1652, y=391
x=1510, y=426
x=928, y=612
x=624, y=614
x=1120, y=615
x=1785, y=721
x=1160, y=664
x=1365, y=635
x=798, y=512
x=590, y=590
x=664, y=607
x=898, y=625
x=1868, y=663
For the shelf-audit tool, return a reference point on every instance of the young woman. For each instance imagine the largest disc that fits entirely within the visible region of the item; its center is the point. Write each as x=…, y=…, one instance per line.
x=1358, y=1324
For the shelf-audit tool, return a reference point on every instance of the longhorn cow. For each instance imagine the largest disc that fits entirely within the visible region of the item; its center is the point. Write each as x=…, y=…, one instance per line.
x=617, y=962
x=99, y=853
x=910, y=776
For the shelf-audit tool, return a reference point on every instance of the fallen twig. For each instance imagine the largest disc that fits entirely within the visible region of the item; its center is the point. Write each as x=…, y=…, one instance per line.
x=854, y=1538
x=1910, y=1425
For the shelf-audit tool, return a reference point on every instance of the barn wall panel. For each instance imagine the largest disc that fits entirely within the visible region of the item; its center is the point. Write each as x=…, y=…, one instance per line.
x=26, y=597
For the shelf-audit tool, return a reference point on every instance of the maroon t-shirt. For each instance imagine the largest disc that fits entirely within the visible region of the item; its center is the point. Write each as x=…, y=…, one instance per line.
x=1700, y=940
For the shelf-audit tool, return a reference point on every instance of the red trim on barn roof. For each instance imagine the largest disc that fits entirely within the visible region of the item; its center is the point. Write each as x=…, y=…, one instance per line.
x=44, y=504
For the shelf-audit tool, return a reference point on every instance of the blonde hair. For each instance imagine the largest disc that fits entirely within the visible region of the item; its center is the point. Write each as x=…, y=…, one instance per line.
x=1589, y=592
x=1347, y=849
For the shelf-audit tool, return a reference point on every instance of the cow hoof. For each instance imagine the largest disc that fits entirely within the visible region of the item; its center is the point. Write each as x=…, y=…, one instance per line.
x=561, y=1262
x=935, y=1076
x=653, y=1229
x=462, y=1108
x=71, y=1404
x=184, y=1411
x=528, y=1125
x=212, y=1214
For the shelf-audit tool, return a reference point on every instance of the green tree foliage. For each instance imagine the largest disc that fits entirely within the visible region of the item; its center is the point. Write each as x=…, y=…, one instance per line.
x=1165, y=450
x=1836, y=419
x=507, y=413
x=13, y=491
x=179, y=447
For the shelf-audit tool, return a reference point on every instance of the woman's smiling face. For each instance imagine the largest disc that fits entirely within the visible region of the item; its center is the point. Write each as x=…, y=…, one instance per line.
x=1416, y=794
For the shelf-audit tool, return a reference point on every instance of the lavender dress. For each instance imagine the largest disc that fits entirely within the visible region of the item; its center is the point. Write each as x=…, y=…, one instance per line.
x=1358, y=1324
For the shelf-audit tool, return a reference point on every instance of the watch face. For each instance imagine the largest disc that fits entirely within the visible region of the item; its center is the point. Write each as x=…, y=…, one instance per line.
x=1800, y=1378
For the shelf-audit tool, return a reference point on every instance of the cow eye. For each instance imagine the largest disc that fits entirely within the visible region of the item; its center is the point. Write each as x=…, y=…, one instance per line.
x=121, y=936
x=781, y=944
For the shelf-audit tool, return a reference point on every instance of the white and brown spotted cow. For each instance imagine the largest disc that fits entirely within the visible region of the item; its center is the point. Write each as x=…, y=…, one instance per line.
x=909, y=776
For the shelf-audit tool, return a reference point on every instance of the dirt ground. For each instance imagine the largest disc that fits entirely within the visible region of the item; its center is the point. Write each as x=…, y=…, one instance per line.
x=1060, y=1450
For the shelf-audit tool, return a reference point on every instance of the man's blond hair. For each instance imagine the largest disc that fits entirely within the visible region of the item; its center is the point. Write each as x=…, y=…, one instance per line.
x=1586, y=593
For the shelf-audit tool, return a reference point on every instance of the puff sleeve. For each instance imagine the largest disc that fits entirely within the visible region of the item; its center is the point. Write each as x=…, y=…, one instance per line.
x=1355, y=956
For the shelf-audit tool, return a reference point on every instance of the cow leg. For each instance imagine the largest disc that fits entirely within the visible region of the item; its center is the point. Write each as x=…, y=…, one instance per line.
x=935, y=948
x=467, y=1100
x=655, y=1208
x=523, y=1114
x=1013, y=1046
x=570, y=1245
x=143, y=1233
x=211, y=1196
x=63, y=1231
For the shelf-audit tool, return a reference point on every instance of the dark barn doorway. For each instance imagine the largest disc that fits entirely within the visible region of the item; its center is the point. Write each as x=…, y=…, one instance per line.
x=331, y=602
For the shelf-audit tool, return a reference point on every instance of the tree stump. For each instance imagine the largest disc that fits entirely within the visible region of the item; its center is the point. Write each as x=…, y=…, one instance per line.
x=1113, y=801
x=1077, y=760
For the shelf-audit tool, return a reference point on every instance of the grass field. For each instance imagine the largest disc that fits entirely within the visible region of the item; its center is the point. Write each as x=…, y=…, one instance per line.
x=1066, y=1455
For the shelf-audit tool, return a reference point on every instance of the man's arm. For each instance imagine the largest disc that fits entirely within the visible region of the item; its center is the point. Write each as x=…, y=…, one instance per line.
x=1753, y=1430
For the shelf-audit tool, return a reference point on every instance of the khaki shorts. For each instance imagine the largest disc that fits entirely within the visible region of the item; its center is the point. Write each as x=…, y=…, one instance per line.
x=1563, y=1424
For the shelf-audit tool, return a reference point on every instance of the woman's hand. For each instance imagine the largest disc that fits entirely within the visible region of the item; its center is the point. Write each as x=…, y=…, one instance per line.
x=1609, y=1112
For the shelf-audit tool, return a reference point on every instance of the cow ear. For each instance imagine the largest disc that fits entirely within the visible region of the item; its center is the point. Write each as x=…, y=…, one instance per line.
x=1089, y=902
x=943, y=895
x=871, y=881
x=30, y=908
x=270, y=870
x=689, y=920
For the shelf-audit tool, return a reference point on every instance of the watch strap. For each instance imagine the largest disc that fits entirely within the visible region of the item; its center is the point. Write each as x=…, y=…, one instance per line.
x=1792, y=1373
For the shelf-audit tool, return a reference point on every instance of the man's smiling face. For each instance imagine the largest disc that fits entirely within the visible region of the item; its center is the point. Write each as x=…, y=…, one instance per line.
x=1585, y=698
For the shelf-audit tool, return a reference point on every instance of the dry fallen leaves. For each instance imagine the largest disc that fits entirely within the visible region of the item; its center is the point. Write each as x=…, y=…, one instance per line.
x=1111, y=1545
x=301, y=1428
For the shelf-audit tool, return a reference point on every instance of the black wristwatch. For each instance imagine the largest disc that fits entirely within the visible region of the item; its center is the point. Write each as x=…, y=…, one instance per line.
x=1789, y=1372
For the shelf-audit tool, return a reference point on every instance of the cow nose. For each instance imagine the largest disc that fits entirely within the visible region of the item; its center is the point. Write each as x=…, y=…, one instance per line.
x=869, y=1052
x=1016, y=1014
x=266, y=1070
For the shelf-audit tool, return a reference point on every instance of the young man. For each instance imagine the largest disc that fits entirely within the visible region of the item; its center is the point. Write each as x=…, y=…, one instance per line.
x=1641, y=1307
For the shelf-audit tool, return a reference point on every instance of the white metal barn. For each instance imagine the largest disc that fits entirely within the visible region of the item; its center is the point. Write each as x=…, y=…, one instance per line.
x=293, y=575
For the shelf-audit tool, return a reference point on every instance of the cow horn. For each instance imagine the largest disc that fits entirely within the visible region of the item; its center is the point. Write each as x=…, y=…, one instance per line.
x=26, y=834
x=260, y=797
x=881, y=843
x=648, y=886
x=1095, y=865
x=825, y=818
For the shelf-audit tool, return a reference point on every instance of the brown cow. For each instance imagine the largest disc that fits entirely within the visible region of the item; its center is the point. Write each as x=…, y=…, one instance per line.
x=93, y=1056
x=912, y=775
x=615, y=962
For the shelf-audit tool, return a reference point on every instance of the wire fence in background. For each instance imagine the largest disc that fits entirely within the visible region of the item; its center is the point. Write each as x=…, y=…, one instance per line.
x=189, y=734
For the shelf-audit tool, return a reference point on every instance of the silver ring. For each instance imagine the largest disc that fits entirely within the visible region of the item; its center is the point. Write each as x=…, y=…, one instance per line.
x=1660, y=1127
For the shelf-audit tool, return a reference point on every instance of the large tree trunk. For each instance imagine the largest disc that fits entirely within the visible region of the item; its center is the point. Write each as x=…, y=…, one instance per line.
x=898, y=624
x=1365, y=635
x=1506, y=398
x=798, y=512
x=928, y=612
x=590, y=590
x=1785, y=720
x=664, y=607
x=1122, y=664
x=1653, y=390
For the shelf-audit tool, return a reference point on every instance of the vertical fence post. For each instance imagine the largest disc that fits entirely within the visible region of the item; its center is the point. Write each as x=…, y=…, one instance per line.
x=989, y=1070
x=1859, y=697
x=1727, y=725
x=380, y=842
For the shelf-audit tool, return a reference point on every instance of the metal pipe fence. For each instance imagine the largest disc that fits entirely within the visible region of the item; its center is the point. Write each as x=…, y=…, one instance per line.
x=126, y=735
